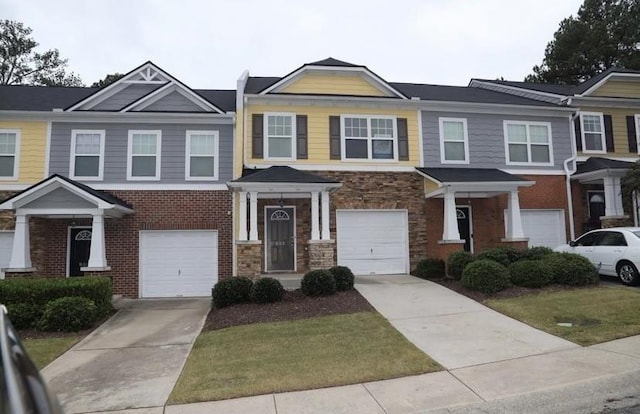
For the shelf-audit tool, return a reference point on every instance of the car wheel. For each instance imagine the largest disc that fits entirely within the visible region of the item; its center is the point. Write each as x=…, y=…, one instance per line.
x=628, y=273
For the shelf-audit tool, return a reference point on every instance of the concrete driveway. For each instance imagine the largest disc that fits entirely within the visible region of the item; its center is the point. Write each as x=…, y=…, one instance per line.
x=131, y=361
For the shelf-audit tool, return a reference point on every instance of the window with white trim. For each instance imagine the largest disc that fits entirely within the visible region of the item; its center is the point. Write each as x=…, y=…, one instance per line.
x=87, y=154
x=9, y=150
x=454, y=141
x=528, y=143
x=202, y=155
x=143, y=162
x=279, y=136
x=369, y=137
x=593, y=137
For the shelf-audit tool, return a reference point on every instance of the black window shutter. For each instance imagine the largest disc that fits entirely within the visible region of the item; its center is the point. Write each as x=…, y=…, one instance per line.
x=576, y=127
x=631, y=134
x=608, y=133
x=257, y=136
x=301, y=137
x=403, y=139
x=334, y=137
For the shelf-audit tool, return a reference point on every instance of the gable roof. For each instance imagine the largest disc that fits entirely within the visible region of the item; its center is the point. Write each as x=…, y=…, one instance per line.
x=334, y=62
x=598, y=164
x=469, y=175
x=281, y=174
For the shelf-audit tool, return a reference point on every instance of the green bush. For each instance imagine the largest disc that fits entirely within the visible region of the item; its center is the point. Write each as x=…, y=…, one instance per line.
x=503, y=255
x=572, y=269
x=69, y=314
x=24, y=315
x=343, y=277
x=266, y=290
x=456, y=263
x=530, y=273
x=318, y=283
x=536, y=253
x=429, y=268
x=485, y=276
x=40, y=291
x=231, y=291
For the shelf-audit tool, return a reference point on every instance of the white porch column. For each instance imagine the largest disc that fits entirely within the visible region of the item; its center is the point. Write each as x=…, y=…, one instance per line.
x=326, y=234
x=315, y=217
x=242, y=228
x=97, y=253
x=514, y=225
x=21, y=254
x=609, y=197
x=450, y=231
x=617, y=196
x=253, y=215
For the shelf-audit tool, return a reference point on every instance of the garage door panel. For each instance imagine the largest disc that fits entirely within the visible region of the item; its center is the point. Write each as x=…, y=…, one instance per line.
x=543, y=227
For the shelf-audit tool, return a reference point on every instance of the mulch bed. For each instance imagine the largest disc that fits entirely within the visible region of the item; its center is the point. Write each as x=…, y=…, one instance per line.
x=294, y=305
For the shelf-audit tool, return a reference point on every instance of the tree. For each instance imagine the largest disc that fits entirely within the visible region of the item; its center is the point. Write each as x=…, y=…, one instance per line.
x=108, y=80
x=630, y=188
x=20, y=64
x=604, y=34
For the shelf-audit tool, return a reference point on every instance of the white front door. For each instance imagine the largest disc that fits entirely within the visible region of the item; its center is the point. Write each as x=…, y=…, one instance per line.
x=373, y=241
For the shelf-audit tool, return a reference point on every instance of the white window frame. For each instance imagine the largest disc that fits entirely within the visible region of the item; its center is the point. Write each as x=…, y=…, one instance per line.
x=368, y=138
x=72, y=161
x=527, y=124
x=265, y=136
x=637, y=121
x=15, y=155
x=441, y=122
x=602, y=133
x=158, y=134
x=216, y=151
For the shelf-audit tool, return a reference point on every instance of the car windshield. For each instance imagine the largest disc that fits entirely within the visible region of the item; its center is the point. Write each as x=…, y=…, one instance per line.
x=636, y=233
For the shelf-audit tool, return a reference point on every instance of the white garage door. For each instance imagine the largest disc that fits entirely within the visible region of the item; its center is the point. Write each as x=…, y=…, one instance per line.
x=543, y=227
x=178, y=263
x=373, y=241
x=6, y=246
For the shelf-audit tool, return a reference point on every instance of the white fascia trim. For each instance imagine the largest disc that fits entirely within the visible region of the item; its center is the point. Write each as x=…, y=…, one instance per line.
x=342, y=167
x=118, y=117
x=187, y=156
x=599, y=174
x=474, y=83
x=160, y=187
x=14, y=187
x=606, y=78
x=465, y=142
x=531, y=171
x=45, y=188
x=169, y=88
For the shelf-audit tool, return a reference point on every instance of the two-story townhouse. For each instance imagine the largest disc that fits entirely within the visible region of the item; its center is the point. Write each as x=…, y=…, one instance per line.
x=336, y=165
x=607, y=125
x=125, y=181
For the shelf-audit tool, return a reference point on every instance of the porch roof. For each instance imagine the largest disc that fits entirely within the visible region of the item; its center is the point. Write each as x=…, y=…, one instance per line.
x=281, y=178
x=476, y=182
x=598, y=167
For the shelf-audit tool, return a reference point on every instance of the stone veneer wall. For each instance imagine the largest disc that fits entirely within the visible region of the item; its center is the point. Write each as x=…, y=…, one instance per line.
x=321, y=255
x=249, y=258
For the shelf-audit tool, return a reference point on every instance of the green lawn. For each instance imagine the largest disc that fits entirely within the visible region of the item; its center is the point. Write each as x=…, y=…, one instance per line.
x=597, y=315
x=297, y=355
x=44, y=350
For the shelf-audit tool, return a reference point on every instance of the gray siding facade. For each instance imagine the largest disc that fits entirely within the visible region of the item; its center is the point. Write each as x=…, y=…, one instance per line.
x=487, y=141
x=125, y=97
x=520, y=92
x=174, y=102
x=172, y=166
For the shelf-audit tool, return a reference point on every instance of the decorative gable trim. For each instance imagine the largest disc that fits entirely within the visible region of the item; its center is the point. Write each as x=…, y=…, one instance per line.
x=603, y=81
x=171, y=87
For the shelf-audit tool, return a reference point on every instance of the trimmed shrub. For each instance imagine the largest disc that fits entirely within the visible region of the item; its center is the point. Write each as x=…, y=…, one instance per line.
x=318, y=283
x=530, y=273
x=536, y=253
x=429, y=268
x=572, y=269
x=69, y=314
x=231, y=291
x=456, y=263
x=343, y=277
x=485, y=276
x=503, y=255
x=266, y=290
x=24, y=315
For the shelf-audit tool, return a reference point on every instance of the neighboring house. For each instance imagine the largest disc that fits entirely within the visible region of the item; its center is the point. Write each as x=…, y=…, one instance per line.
x=607, y=132
x=333, y=164
x=125, y=181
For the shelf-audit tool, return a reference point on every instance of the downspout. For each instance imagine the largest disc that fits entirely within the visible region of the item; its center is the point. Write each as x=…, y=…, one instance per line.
x=570, y=168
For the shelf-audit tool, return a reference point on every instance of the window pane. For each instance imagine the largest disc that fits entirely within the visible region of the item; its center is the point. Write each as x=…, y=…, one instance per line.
x=593, y=142
x=454, y=151
x=516, y=133
x=539, y=134
x=453, y=131
x=280, y=147
x=356, y=148
x=87, y=166
x=518, y=153
x=88, y=144
x=382, y=128
x=144, y=144
x=6, y=166
x=279, y=125
x=201, y=167
x=355, y=127
x=591, y=123
x=540, y=153
x=143, y=166
x=202, y=144
x=382, y=149
x=7, y=143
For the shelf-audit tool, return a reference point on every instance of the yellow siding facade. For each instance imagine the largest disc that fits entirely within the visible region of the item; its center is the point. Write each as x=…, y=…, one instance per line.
x=33, y=148
x=619, y=89
x=318, y=133
x=337, y=84
x=619, y=124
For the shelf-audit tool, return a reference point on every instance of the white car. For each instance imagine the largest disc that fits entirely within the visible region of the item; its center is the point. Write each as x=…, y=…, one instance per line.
x=615, y=251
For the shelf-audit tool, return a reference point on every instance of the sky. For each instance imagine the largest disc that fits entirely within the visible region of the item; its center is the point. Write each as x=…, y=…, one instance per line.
x=208, y=44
